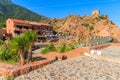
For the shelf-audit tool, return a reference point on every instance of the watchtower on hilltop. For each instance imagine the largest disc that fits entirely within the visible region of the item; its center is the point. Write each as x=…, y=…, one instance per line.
x=95, y=12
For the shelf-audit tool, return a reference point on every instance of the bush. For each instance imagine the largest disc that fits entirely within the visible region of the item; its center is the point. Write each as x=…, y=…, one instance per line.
x=48, y=48
x=8, y=54
x=98, y=19
x=112, y=22
x=69, y=47
x=1, y=42
x=62, y=48
x=10, y=78
x=65, y=48
x=86, y=24
x=2, y=25
x=91, y=28
x=103, y=16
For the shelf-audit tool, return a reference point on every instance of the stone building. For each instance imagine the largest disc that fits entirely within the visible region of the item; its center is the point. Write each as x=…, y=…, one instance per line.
x=17, y=27
x=95, y=12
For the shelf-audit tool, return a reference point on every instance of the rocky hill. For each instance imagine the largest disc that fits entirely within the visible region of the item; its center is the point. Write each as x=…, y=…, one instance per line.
x=85, y=26
x=11, y=10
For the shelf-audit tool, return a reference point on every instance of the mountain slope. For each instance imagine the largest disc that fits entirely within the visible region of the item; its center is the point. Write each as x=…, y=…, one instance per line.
x=85, y=26
x=11, y=10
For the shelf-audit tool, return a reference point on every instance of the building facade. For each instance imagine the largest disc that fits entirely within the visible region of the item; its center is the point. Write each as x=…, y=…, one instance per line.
x=16, y=27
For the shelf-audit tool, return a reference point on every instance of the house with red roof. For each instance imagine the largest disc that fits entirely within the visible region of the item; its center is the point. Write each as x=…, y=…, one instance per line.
x=16, y=27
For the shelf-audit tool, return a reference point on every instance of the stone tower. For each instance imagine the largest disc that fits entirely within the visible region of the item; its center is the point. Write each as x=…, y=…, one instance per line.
x=95, y=12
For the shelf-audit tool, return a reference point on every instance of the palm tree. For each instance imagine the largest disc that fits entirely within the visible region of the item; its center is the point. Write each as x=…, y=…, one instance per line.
x=32, y=37
x=21, y=43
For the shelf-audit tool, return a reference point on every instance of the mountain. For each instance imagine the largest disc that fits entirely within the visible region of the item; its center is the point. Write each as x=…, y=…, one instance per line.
x=81, y=26
x=11, y=10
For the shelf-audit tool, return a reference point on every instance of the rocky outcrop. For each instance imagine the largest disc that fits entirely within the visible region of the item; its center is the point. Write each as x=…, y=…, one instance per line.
x=82, y=27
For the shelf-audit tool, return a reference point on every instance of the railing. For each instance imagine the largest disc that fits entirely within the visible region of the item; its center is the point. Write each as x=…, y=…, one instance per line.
x=97, y=40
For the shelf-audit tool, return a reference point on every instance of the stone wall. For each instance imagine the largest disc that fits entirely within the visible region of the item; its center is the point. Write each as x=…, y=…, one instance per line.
x=16, y=70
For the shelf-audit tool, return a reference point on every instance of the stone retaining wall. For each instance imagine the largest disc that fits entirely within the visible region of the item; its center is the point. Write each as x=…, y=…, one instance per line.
x=19, y=70
x=115, y=44
x=100, y=46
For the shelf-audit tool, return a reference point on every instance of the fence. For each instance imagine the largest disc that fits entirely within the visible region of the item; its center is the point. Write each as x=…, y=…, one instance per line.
x=97, y=40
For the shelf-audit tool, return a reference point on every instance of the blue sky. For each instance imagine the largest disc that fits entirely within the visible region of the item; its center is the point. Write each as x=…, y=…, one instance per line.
x=62, y=8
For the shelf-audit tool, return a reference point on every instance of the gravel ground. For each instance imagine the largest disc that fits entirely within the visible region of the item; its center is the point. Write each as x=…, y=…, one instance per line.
x=111, y=51
x=81, y=68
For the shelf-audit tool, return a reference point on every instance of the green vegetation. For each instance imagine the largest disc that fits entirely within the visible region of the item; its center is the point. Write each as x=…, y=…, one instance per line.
x=8, y=53
x=15, y=49
x=2, y=25
x=56, y=28
x=62, y=48
x=48, y=48
x=98, y=19
x=32, y=37
x=1, y=42
x=59, y=48
x=112, y=22
x=11, y=10
x=103, y=17
x=91, y=28
x=21, y=43
x=10, y=78
x=65, y=48
x=86, y=24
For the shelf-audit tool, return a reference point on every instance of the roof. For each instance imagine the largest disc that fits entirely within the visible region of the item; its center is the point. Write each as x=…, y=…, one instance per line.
x=28, y=22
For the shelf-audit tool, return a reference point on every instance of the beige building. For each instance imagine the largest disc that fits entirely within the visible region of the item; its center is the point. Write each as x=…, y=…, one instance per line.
x=17, y=27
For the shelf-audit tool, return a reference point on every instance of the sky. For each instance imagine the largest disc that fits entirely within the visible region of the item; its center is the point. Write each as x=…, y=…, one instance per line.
x=63, y=8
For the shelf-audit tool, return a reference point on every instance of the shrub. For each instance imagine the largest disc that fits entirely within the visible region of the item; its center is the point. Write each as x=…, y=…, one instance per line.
x=1, y=42
x=2, y=25
x=10, y=78
x=62, y=48
x=91, y=28
x=86, y=24
x=112, y=22
x=103, y=16
x=56, y=27
x=8, y=54
x=65, y=48
x=69, y=47
x=48, y=48
x=98, y=19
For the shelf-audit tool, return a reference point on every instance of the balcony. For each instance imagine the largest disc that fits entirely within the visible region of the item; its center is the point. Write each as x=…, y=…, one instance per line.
x=17, y=29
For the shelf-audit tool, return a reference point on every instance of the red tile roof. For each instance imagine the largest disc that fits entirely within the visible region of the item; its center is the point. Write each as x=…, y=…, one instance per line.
x=28, y=22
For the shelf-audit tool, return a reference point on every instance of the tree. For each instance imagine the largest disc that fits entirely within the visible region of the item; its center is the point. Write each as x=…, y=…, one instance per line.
x=17, y=47
x=21, y=43
x=32, y=37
